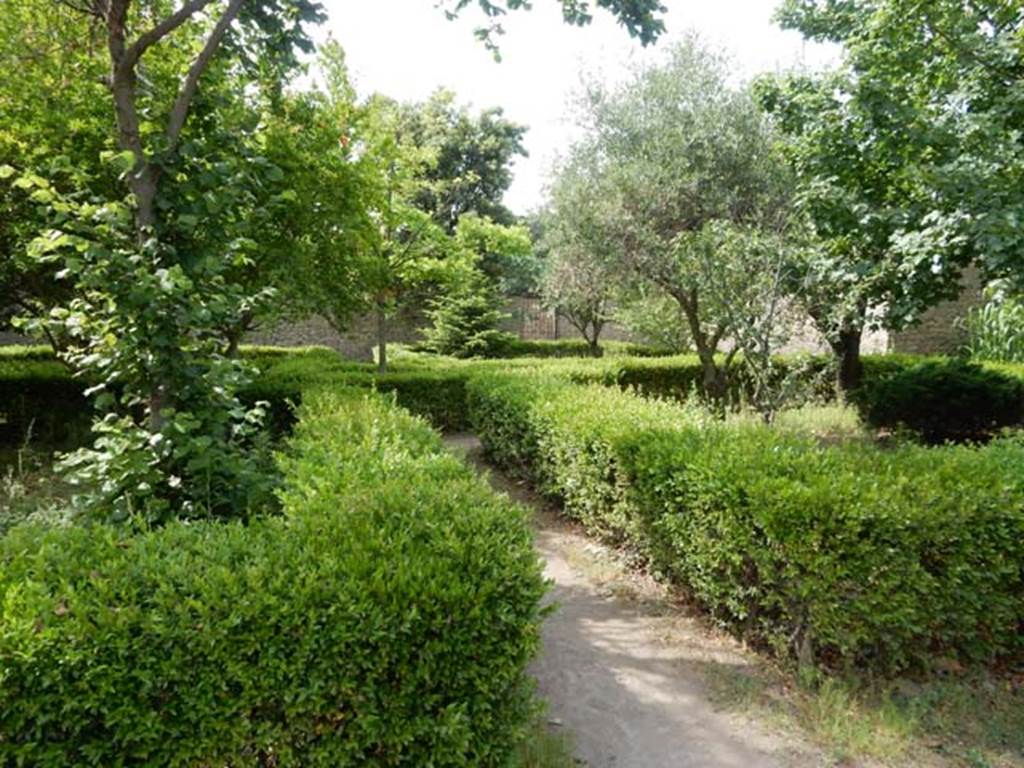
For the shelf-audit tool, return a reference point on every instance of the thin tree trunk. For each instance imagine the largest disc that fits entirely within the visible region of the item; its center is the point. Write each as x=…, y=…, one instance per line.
x=714, y=379
x=382, y=339
x=595, y=347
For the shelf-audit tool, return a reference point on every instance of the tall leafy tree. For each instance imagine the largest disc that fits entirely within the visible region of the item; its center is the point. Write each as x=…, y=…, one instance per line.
x=158, y=236
x=926, y=114
x=473, y=156
x=581, y=272
x=152, y=259
x=681, y=158
x=855, y=203
x=317, y=257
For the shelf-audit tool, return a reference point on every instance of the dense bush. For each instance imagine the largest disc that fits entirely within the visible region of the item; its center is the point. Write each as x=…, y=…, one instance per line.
x=942, y=400
x=845, y=555
x=385, y=619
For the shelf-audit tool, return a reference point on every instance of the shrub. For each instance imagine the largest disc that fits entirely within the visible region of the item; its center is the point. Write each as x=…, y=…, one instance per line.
x=944, y=400
x=576, y=348
x=844, y=556
x=41, y=401
x=385, y=619
x=439, y=397
x=465, y=322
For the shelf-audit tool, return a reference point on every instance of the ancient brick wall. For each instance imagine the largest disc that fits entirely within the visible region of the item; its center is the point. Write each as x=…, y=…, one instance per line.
x=939, y=331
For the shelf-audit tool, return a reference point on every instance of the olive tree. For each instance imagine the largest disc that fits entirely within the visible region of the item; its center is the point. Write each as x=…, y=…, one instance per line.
x=679, y=155
x=580, y=274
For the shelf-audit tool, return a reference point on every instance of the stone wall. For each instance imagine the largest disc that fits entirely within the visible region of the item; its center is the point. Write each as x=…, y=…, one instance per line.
x=530, y=319
x=7, y=339
x=357, y=343
x=939, y=330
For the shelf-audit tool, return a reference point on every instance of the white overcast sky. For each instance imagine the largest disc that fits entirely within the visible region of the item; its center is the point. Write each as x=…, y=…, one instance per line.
x=407, y=49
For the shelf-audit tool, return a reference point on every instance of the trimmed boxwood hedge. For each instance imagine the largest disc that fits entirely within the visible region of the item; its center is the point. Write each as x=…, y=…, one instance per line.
x=576, y=348
x=40, y=402
x=385, y=619
x=842, y=556
x=36, y=390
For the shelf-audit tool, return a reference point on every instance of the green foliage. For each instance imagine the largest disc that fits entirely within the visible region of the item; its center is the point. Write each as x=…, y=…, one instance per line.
x=581, y=266
x=929, y=86
x=50, y=127
x=679, y=176
x=385, y=619
x=316, y=257
x=465, y=321
x=576, y=348
x=503, y=253
x=171, y=436
x=438, y=396
x=843, y=555
x=653, y=317
x=908, y=158
x=641, y=18
x=944, y=400
x=473, y=156
x=154, y=226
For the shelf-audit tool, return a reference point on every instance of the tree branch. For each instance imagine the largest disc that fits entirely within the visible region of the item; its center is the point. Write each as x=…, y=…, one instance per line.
x=162, y=30
x=122, y=82
x=96, y=8
x=179, y=112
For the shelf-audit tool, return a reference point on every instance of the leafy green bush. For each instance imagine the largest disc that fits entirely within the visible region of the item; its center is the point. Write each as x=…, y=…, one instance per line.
x=385, y=619
x=26, y=352
x=942, y=400
x=843, y=555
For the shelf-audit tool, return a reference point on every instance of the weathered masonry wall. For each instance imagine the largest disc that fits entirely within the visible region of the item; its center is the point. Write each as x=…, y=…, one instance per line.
x=940, y=330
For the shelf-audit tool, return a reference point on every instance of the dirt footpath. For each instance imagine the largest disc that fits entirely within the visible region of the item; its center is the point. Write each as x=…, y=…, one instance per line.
x=625, y=676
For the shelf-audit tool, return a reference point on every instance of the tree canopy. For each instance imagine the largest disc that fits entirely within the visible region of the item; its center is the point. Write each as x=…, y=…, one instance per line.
x=673, y=159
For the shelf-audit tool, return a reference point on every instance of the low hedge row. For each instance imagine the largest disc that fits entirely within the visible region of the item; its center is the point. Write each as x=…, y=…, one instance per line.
x=40, y=402
x=576, y=348
x=842, y=556
x=35, y=390
x=436, y=394
x=944, y=400
x=385, y=619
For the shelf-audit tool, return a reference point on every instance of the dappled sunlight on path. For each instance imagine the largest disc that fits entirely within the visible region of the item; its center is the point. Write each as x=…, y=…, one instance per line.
x=627, y=677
